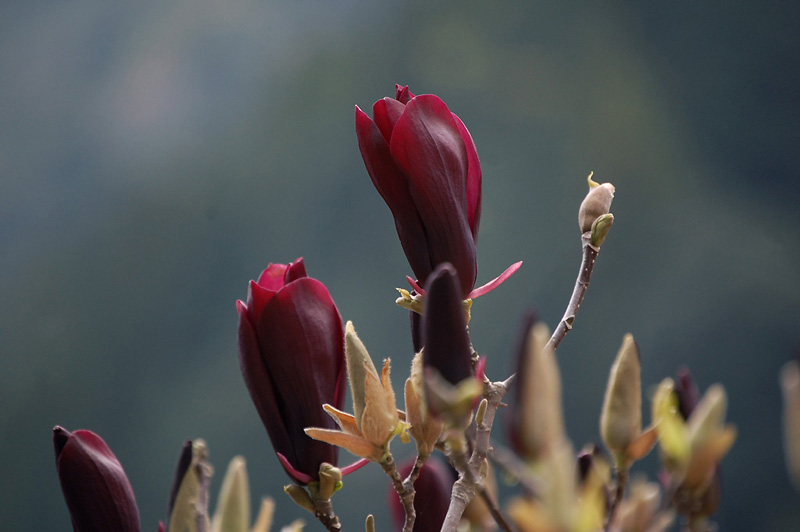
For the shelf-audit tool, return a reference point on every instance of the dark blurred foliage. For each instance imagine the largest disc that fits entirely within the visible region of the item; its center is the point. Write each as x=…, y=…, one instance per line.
x=155, y=156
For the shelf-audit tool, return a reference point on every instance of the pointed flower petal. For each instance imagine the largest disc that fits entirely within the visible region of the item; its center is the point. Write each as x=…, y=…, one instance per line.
x=291, y=352
x=96, y=489
x=423, y=162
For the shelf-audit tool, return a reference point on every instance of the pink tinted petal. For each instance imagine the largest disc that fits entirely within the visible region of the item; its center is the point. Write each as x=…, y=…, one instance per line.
x=474, y=178
x=480, y=368
x=494, y=283
x=355, y=466
x=402, y=94
x=257, y=299
x=415, y=285
x=273, y=277
x=386, y=112
x=295, y=271
x=299, y=476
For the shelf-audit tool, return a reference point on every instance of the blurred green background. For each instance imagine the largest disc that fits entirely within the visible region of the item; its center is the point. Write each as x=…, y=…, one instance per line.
x=156, y=156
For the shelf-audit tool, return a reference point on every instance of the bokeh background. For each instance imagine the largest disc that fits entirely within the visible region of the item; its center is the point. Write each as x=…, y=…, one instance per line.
x=155, y=156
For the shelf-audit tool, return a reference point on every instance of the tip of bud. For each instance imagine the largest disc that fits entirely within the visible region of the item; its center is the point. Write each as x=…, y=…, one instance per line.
x=60, y=437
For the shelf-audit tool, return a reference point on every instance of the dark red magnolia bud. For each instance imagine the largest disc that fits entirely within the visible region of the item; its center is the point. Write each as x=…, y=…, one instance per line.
x=514, y=413
x=444, y=325
x=423, y=162
x=432, y=498
x=184, y=461
x=291, y=351
x=96, y=489
x=687, y=392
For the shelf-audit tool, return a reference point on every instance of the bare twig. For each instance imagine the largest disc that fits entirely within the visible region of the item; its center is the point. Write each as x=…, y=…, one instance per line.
x=491, y=504
x=471, y=480
x=622, y=480
x=578, y=292
x=405, y=490
x=323, y=511
x=415, y=471
x=511, y=465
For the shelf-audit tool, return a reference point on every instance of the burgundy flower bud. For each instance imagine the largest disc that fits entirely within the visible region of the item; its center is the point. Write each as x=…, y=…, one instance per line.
x=415, y=321
x=444, y=327
x=96, y=489
x=432, y=498
x=423, y=162
x=184, y=461
x=687, y=392
x=291, y=352
x=514, y=413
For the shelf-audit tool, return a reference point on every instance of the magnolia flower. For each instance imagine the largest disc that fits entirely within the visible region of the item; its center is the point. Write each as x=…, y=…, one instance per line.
x=291, y=351
x=423, y=162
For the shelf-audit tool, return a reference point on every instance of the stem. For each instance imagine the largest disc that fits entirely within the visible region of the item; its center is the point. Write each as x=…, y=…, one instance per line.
x=512, y=466
x=203, y=471
x=499, y=518
x=404, y=490
x=622, y=480
x=470, y=480
x=578, y=292
x=323, y=511
x=415, y=471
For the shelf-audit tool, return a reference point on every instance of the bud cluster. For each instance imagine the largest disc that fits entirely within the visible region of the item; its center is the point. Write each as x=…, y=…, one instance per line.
x=295, y=353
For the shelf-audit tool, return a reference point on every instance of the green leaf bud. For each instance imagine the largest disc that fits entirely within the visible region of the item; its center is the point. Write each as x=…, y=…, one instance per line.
x=358, y=363
x=233, y=505
x=621, y=417
x=300, y=496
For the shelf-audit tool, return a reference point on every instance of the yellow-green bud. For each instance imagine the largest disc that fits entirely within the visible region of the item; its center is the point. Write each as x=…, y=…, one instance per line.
x=541, y=415
x=330, y=480
x=621, y=418
x=600, y=229
x=233, y=505
x=264, y=520
x=300, y=496
x=191, y=500
x=358, y=364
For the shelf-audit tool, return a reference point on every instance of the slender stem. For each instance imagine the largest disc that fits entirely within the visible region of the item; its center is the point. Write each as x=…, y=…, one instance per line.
x=578, y=292
x=404, y=490
x=470, y=481
x=491, y=504
x=323, y=511
x=512, y=466
x=622, y=480
x=415, y=471
x=203, y=471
